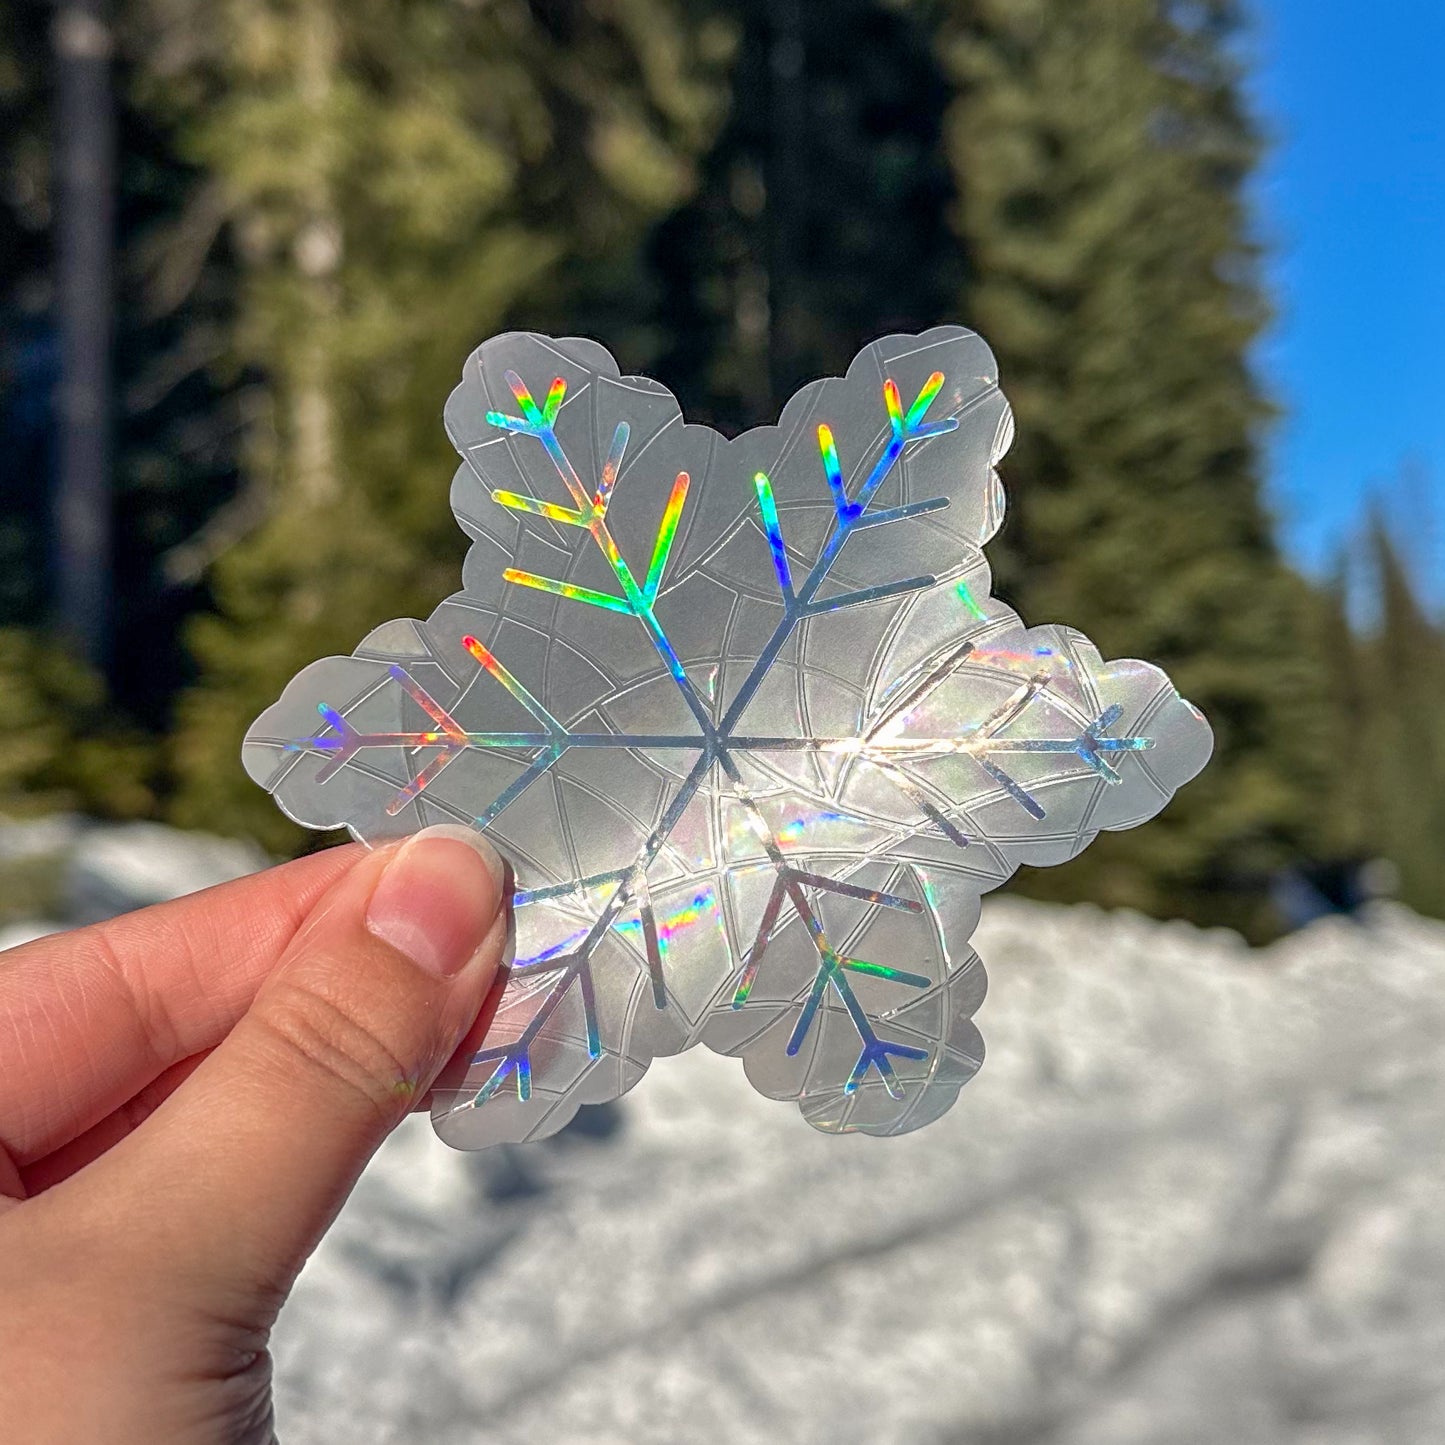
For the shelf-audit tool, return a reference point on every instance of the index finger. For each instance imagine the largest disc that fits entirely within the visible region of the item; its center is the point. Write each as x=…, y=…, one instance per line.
x=89, y=1018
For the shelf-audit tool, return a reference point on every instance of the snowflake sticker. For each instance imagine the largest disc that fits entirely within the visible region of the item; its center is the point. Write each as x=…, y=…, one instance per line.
x=745, y=721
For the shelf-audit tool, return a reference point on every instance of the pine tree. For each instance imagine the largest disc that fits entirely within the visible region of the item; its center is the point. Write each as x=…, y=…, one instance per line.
x=1350, y=830
x=1405, y=804
x=820, y=220
x=26, y=346
x=174, y=422
x=84, y=169
x=399, y=178
x=67, y=744
x=1101, y=150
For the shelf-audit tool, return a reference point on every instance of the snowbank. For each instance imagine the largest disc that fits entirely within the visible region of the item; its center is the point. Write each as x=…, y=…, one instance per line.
x=1193, y=1196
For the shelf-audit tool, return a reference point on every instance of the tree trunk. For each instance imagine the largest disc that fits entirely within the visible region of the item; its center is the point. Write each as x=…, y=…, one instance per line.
x=786, y=183
x=85, y=214
x=318, y=258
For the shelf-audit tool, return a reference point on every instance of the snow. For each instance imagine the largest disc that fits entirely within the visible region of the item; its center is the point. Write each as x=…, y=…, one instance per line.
x=88, y=871
x=12, y=935
x=130, y=865
x=1192, y=1196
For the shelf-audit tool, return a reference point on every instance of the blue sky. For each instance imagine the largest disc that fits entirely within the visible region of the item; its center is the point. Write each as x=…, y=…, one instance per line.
x=1352, y=206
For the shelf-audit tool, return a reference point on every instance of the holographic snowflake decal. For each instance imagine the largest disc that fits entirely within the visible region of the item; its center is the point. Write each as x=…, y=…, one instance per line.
x=745, y=720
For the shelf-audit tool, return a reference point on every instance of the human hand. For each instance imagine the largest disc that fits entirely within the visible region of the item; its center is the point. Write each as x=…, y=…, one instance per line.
x=187, y=1095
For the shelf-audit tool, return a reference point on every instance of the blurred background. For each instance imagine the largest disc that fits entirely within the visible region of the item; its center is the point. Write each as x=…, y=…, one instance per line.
x=244, y=248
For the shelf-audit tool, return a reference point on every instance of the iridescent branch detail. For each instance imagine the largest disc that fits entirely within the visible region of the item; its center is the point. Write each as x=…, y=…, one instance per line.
x=885, y=747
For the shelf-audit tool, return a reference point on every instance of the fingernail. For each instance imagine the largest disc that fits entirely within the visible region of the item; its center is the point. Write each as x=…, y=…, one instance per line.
x=438, y=898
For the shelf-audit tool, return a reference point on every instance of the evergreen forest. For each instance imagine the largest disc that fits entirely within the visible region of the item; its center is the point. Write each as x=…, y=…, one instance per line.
x=320, y=206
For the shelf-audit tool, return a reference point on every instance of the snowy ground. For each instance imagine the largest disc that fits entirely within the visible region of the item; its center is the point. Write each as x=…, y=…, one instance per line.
x=1194, y=1196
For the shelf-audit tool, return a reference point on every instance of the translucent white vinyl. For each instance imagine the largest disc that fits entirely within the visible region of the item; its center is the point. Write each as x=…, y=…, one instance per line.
x=746, y=722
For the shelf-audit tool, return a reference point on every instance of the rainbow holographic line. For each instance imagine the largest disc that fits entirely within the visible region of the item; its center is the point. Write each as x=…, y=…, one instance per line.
x=882, y=746
x=1012, y=657
x=924, y=400
x=334, y=720
x=519, y=1064
x=671, y=925
x=666, y=531
x=966, y=597
x=450, y=740
x=893, y=975
x=494, y=667
x=569, y=590
x=610, y=468
x=536, y=419
x=550, y=510
x=546, y=955
x=769, y=510
x=832, y=469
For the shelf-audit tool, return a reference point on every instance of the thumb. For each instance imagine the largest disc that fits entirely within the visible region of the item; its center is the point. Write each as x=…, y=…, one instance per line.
x=237, y=1175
